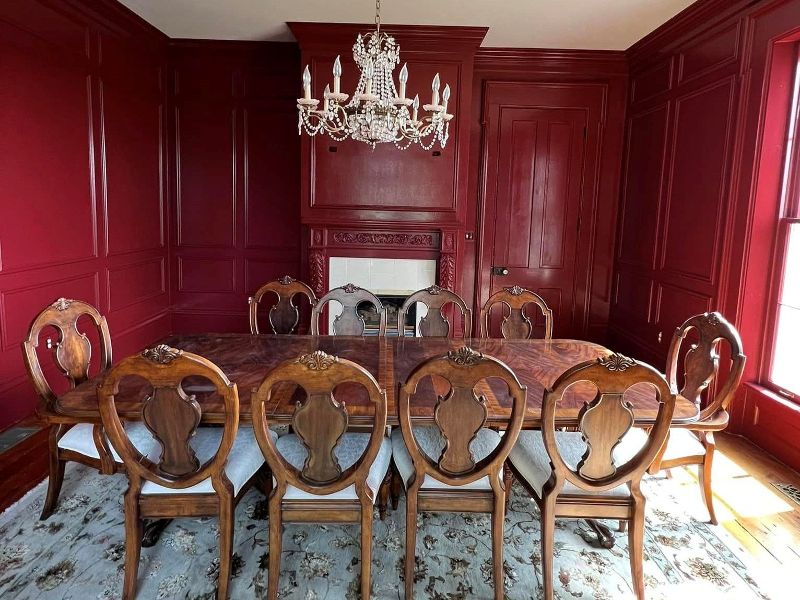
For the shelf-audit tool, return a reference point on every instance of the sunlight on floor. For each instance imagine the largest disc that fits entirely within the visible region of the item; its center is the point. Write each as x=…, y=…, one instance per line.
x=737, y=494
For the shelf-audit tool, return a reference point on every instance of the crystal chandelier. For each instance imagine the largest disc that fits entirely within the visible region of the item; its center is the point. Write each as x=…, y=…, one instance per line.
x=377, y=113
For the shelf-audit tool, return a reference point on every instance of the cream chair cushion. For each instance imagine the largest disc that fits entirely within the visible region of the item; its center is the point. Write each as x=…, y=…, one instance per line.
x=531, y=461
x=349, y=449
x=431, y=441
x=681, y=443
x=244, y=460
x=80, y=439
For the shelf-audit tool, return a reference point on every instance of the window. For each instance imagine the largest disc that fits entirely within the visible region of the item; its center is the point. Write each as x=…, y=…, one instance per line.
x=783, y=372
x=785, y=369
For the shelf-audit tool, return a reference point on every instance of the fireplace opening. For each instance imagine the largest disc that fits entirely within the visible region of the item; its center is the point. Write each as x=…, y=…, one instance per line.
x=392, y=303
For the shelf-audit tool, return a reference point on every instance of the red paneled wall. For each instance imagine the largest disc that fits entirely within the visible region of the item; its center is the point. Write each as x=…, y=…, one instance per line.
x=706, y=132
x=236, y=177
x=82, y=175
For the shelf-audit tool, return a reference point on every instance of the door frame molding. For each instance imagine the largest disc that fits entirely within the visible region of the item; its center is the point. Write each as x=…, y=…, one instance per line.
x=590, y=96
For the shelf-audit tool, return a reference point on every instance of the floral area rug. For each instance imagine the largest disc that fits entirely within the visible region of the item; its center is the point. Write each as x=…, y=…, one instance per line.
x=78, y=553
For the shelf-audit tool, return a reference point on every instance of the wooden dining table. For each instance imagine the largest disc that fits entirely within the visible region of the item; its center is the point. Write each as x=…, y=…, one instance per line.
x=247, y=359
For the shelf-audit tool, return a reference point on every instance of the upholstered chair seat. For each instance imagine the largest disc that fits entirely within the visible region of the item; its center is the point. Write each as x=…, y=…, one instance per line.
x=430, y=440
x=349, y=450
x=244, y=460
x=80, y=439
x=531, y=461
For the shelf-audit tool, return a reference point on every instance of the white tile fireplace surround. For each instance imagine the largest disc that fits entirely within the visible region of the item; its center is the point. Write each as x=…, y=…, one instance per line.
x=382, y=277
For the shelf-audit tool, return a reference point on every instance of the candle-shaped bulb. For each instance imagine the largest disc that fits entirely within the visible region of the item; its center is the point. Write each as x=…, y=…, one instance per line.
x=368, y=74
x=337, y=75
x=403, y=80
x=435, y=89
x=325, y=98
x=415, y=106
x=446, y=96
x=307, y=83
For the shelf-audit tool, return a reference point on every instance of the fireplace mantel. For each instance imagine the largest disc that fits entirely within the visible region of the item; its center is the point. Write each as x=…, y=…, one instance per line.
x=439, y=244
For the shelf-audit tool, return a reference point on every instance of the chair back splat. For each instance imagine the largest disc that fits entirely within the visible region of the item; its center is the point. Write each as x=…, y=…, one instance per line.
x=516, y=325
x=605, y=421
x=72, y=352
x=348, y=322
x=283, y=315
x=701, y=363
x=435, y=324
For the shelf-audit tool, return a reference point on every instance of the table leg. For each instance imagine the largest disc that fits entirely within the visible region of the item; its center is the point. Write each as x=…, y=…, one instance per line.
x=152, y=530
x=604, y=536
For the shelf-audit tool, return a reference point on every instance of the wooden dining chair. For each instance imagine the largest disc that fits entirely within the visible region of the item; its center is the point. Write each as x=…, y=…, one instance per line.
x=283, y=316
x=188, y=470
x=516, y=325
x=322, y=472
x=348, y=322
x=594, y=472
x=457, y=464
x=84, y=443
x=693, y=443
x=435, y=324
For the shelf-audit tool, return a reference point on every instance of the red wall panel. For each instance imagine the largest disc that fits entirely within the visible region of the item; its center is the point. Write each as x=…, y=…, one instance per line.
x=236, y=167
x=83, y=162
x=721, y=181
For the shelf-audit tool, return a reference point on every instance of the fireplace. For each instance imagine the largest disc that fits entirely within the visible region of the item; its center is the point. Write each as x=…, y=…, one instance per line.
x=391, y=279
x=392, y=303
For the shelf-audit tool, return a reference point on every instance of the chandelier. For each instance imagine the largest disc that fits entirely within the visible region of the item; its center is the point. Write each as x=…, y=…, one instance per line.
x=377, y=113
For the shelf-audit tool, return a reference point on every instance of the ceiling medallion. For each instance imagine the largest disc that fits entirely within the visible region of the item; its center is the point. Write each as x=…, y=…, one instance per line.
x=377, y=113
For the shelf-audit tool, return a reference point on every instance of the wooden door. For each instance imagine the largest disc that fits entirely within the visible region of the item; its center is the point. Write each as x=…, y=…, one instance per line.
x=539, y=171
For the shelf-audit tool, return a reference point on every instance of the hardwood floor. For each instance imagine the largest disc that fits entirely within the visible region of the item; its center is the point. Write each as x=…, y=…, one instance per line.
x=759, y=520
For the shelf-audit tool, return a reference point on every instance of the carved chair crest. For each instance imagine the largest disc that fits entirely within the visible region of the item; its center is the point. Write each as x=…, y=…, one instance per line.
x=349, y=321
x=517, y=324
x=702, y=361
x=72, y=351
x=435, y=324
x=461, y=414
x=284, y=314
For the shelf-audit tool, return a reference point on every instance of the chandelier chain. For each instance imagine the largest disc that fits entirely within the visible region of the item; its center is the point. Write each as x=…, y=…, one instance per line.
x=378, y=16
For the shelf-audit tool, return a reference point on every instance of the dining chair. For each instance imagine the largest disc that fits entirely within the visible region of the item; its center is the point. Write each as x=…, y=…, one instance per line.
x=283, y=316
x=322, y=472
x=187, y=470
x=348, y=322
x=435, y=324
x=84, y=443
x=596, y=471
x=516, y=325
x=456, y=465
x=693, y=443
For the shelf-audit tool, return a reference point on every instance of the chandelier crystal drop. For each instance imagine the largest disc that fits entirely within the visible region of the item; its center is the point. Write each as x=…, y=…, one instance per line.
x=377, y=113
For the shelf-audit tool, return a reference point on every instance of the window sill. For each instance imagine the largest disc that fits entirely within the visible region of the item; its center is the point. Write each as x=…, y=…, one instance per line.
x=774, y=396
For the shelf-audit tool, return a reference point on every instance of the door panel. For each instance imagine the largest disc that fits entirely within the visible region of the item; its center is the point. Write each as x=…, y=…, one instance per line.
x=539, y=155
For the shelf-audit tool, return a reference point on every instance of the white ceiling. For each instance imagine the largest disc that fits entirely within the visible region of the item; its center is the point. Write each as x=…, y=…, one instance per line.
x=589, y=24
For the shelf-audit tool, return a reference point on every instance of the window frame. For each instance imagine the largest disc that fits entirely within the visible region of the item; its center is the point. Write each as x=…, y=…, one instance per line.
x=789, y=214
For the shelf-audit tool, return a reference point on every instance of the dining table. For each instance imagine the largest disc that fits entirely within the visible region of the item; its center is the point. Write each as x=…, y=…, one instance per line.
x=246, y=360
